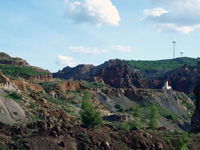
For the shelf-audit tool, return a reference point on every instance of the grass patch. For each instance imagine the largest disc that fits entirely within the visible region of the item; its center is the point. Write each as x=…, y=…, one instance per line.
x=161, y=64
x=131, y=124
x=13, y=95
x=15, y=71
x=61, y=103
x=85, y=137
x=93, y=84
x=189, y=106
x=2, y=147
x=192, y=97
x=168, y=140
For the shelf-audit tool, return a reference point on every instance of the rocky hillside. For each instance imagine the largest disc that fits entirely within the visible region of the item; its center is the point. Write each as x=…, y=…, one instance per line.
x=175, y=108
x=38, y=112
x=17, y=68
x=45, y=115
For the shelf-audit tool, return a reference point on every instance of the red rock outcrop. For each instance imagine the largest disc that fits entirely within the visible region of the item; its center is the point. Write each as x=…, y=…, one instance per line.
x=120, y=76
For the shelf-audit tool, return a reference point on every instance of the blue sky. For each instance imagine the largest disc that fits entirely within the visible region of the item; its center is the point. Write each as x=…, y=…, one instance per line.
x=55, y=33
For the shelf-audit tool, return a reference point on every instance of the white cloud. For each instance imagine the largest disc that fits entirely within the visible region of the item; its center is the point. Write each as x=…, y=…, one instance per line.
x=96, y=12
x=65, y=61
x=154, y=12
x=173, y=28
x=180, y=15
x=121, y=48
x=86, y=50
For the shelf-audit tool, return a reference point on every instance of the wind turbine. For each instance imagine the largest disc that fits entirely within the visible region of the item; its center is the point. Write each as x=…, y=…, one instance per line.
x=174, y=48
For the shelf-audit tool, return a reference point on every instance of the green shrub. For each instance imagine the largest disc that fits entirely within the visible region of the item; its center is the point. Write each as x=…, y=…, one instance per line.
x=119, y=107
x=137, y=112
x=184, y=142
x=90, y=117
x=15, y=95
x=153, y=117
x=15, y=113
x=170, y=116
x=192, y=97
x=85, y=137
x=131, y=124
x=168, y=140
x=2, y=147
x=93, y=84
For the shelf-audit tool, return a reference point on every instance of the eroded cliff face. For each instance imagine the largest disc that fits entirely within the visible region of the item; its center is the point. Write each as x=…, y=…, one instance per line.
x=39, y=77
x=69, y=86
x=195, y=121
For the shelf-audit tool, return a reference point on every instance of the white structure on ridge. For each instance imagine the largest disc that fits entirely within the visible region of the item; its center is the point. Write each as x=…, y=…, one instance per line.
x=166, y=86
x=181, y=53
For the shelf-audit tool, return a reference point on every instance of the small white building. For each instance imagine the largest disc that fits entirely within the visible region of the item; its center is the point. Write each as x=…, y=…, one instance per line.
x=166, y=86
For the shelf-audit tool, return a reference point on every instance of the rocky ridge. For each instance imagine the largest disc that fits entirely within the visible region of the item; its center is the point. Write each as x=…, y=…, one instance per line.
x=113, y=72
x=19, y=68
x=118, y=74
x=8, y=60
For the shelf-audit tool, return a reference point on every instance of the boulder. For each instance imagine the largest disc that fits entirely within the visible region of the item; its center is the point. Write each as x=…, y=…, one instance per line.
x=115, y=118
x=10, y=111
